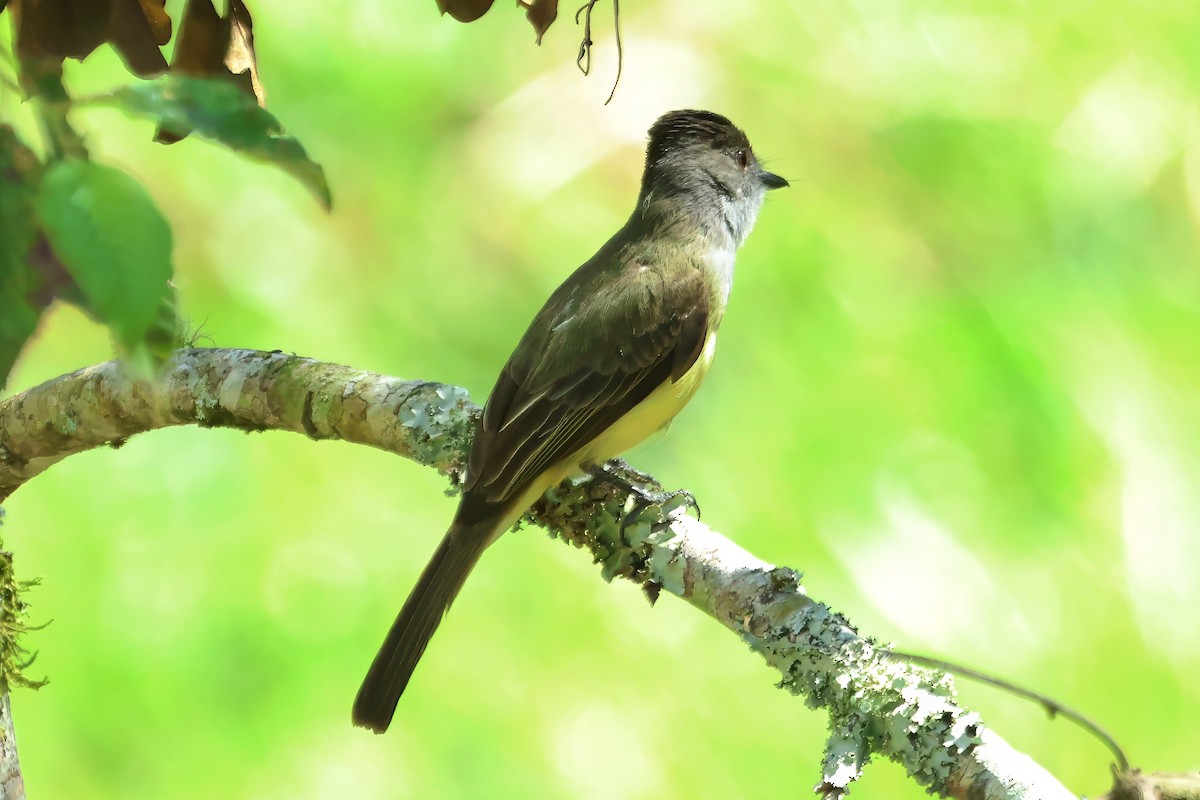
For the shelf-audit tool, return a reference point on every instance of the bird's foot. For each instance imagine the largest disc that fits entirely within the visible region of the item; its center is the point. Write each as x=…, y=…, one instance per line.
x=645, y=492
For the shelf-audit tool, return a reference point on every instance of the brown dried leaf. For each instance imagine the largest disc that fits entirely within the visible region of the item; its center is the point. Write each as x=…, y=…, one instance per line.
x=239, y=58
x=541, y=15
x=133, y=38
x=74, y=28
x=37, y=66
x=203, y=36
x=465, y=10
x=160, y=21
x=69, y=28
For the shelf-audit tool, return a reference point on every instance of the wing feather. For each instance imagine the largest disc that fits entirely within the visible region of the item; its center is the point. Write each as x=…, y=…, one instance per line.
x=589, y=357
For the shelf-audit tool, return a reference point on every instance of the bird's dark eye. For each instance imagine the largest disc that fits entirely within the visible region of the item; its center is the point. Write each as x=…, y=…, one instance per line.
x=742, y=157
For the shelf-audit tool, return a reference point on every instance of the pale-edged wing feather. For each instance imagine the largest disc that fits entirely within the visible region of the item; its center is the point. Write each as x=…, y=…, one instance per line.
x=589, y=357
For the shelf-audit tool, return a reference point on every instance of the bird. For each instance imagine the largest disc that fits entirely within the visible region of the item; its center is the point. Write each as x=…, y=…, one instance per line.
x=612, y=356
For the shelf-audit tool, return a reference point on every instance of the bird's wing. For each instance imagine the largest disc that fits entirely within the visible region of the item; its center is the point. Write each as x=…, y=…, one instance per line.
x=584, y=363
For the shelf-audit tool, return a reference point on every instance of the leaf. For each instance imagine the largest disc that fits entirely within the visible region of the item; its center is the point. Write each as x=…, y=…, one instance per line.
x=203, y=39
x=71, y=28
x=541, y=15
x=113, y=241
x=218, y=110
x=465, y=10
x=74, y=28
x=18, y=312
x=210, y=46
x=240, y=58
x=199, y=52
x=135, y=37
x=160, y=22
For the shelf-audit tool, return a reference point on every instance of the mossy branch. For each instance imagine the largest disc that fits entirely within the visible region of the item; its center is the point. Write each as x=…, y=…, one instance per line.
x=877, y=706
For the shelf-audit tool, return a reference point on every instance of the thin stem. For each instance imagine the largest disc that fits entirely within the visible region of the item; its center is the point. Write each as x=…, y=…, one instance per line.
x=584, y=59
x=620, y=49
x=585, y=45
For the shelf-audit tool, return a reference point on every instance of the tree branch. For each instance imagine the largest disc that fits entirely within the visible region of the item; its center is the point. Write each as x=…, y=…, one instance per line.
x=12, y=782
x=244, y=389
x=877, y=706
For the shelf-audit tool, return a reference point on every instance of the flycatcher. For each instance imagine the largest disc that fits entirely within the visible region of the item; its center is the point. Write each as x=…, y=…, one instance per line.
x=613, y=356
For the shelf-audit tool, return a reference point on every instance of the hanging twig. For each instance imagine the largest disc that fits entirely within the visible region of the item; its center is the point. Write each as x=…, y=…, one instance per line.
x=585, y=46
x=584, y=59
x=620, y=51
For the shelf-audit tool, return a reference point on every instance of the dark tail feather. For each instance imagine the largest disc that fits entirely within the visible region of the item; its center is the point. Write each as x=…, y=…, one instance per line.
x=436, y=589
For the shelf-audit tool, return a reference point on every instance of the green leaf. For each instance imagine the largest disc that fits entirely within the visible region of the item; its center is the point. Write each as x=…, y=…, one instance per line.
x=18, y=313
x=217, y=109
x=112, y=239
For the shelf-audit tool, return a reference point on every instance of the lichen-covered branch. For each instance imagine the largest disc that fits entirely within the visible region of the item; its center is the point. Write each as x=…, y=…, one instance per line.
x=245, y=389
x=12, y=782
x=877, y=706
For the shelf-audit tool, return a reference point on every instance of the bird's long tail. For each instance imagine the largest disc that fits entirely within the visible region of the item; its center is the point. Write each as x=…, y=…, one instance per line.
x=436, y=589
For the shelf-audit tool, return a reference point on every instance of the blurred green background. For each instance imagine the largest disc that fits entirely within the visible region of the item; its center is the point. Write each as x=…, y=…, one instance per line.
x=957, y=386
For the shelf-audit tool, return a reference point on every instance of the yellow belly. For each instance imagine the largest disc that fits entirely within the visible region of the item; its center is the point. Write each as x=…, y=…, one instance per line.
x=644, y=419
x=648, y=416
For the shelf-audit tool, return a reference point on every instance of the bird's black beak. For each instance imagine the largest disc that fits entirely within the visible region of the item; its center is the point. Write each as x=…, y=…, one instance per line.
x=771, y=180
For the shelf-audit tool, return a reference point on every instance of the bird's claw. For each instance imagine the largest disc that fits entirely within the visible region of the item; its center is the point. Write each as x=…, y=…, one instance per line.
x=665, y=501
x=627, y=476
x=620, y=474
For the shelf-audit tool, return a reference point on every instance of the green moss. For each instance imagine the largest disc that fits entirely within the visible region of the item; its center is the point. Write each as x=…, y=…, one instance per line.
x=14, y=658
